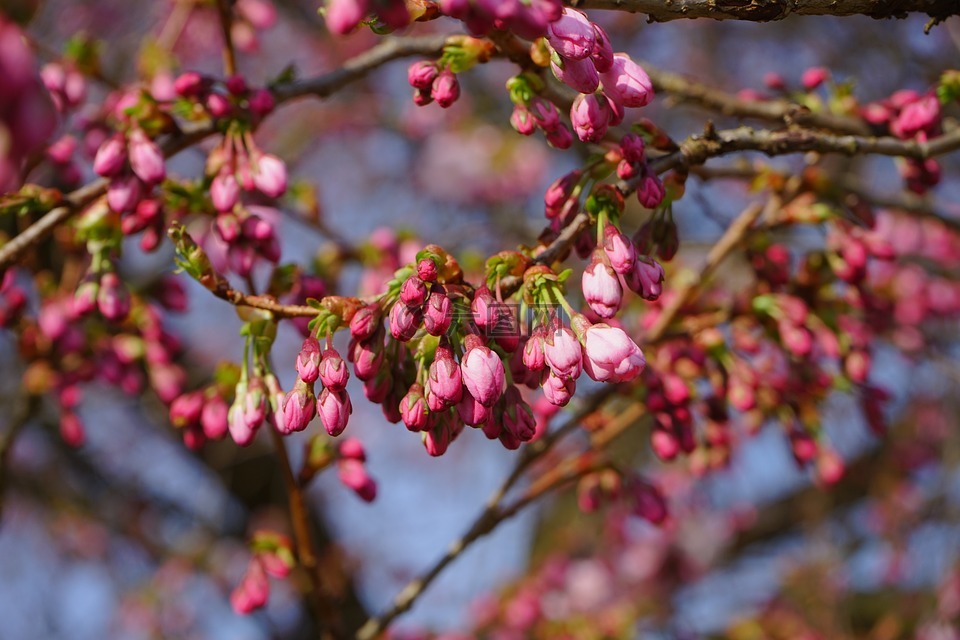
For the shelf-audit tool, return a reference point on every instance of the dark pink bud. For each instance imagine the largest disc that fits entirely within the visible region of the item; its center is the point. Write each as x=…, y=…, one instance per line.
x=572, y=36
x=646, y=279
x=650, y=191
x=421, y=74
x=213, y=418
x=270, y=177
x=522, y=121
x=413, y=292
x=422, y=97
x=72, y=430
x=627, y=82
x=533, y=357
x=445, y=380
x=920, y=116
x=377, y=389
x=665, y=444
x=253, y=590
x=146, y=159
x=633, y=148
x=236, y=84
x=404, y=322
x=559, y=138
x=482, y=307
x=579, y=75
x=590, y=116
x=482, y=372
x=446, y=88
x=814, y=77
x=255, y=403
x=262, y=103
x=438, y=312
x=559, y=193
x=413, y=409
x=601, y=289
x=602, y=54
x=299, y=407
x=189, y=84
x=185, y=410
x=343, y=16
x=352, y=449
x=365, y=322
x=308, y=361
x=518, y=416
x=333, y=371
x=471, y=412
x=648, y=502
x=218, y=105
x=113, y=299
x=334, y=408
x=111, y=157
x=353, y=474
x=367, y=357
x=544, y=113
x=427, y=270
x=619, y=249
x=124, y=193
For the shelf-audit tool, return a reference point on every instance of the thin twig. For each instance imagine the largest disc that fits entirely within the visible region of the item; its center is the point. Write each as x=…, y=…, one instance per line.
x=20, y=420
x=226, y=22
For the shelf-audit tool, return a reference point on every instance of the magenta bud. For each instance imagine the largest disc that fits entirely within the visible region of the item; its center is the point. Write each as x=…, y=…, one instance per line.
x=253, y=590
x=648, y=502
x=518, y=417
x=601, y=289
x=189, y=84
x=482, y=372
x=544, y=113
x=270, y=177
x=224, y=192
x=627, y=82
x=445, y=380
x=218, y=105
x=522, y=121
x=482, y=307
x=213, y=418
x=334, y=408
x=562, y=352
x=124, y=193
x=404, y=321
x=814, y=77
x=558, y=390
x=413, y=292
x=602, y=54
x=421, y=74
x=111, y=157
x=646, y=279
x=308, y=361
x=353, y=474
x=438, y=312
x=299, y=407
x=262, y=103
x=560, y=192
x=352, y=449
x=559, y=138
x=333, y=371
x=573, y=35
x=378, y=388
x=146, y=159
x=367, y=357
x=633, y=148
x=619, y=249
x=650, y=191
x=422, y=97
x=365, y=322
x=446, y=88
x=472, y=412
x=579, y=75
x=413, y=409
x=590, y=116
x=427, y=270
x=185, y=410
x=343, y=16
x=236, y=84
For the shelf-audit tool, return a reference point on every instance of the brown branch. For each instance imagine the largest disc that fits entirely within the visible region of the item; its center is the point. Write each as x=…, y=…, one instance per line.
x=790, y=113
x=19, y=421
x=229, y=54
x=767, y=10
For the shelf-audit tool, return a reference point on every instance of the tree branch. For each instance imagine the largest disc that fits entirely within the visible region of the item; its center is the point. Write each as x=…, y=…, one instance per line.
x=767, y=10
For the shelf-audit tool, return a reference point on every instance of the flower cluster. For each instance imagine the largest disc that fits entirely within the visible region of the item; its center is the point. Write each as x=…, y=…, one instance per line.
x=272, y=557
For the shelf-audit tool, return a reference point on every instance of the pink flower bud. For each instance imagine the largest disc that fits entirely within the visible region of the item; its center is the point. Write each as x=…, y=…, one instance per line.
x=124, y=193
x=299, y=407
x=438, y=439
x=522, y=121
x=518, y=416
x=814, y=77
x=648, y=502
x=562, y=352
x=445, y=380
x=224, y=191
x=241, y=432
x=558, y=390
x=308, y=361
x=146, y=159
x=438, y=312
x=665, y=444
x=920, y=116
x=213, y=418
x=579, y=75
x=646, y=279
x=544, y=113
x=601, y=288
x=559, y=138
x=559, y=193
x=427, y=270
x=482, y=307
x=367, y=357
x=446, y=88
x=333, y=371
x=270, y=177
x=482, y=372
x=404, y=322
x=378, y=388
x=471, y=411
x=185, y=409
x=262, y=103
x=413, y=292
x=421, y=74
x=650, y=191
x=627, y=82
x=352, y=449
x=533, y=357
x=365, y=322
x=253, y=590
x=633, y=148
x=413, y=409
x=218, y=105
x=829, y=466
x=189, y=84
x=72, y=430
x=620, y=250
x=572, y=36
x=610, y=355
x=334, y=408
x=353, y=474
x=255, y=403
x=602, y=54
x=113, y=299
x=111, y=156
x=343, y=16
x=590, y=116
x=422, y=97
